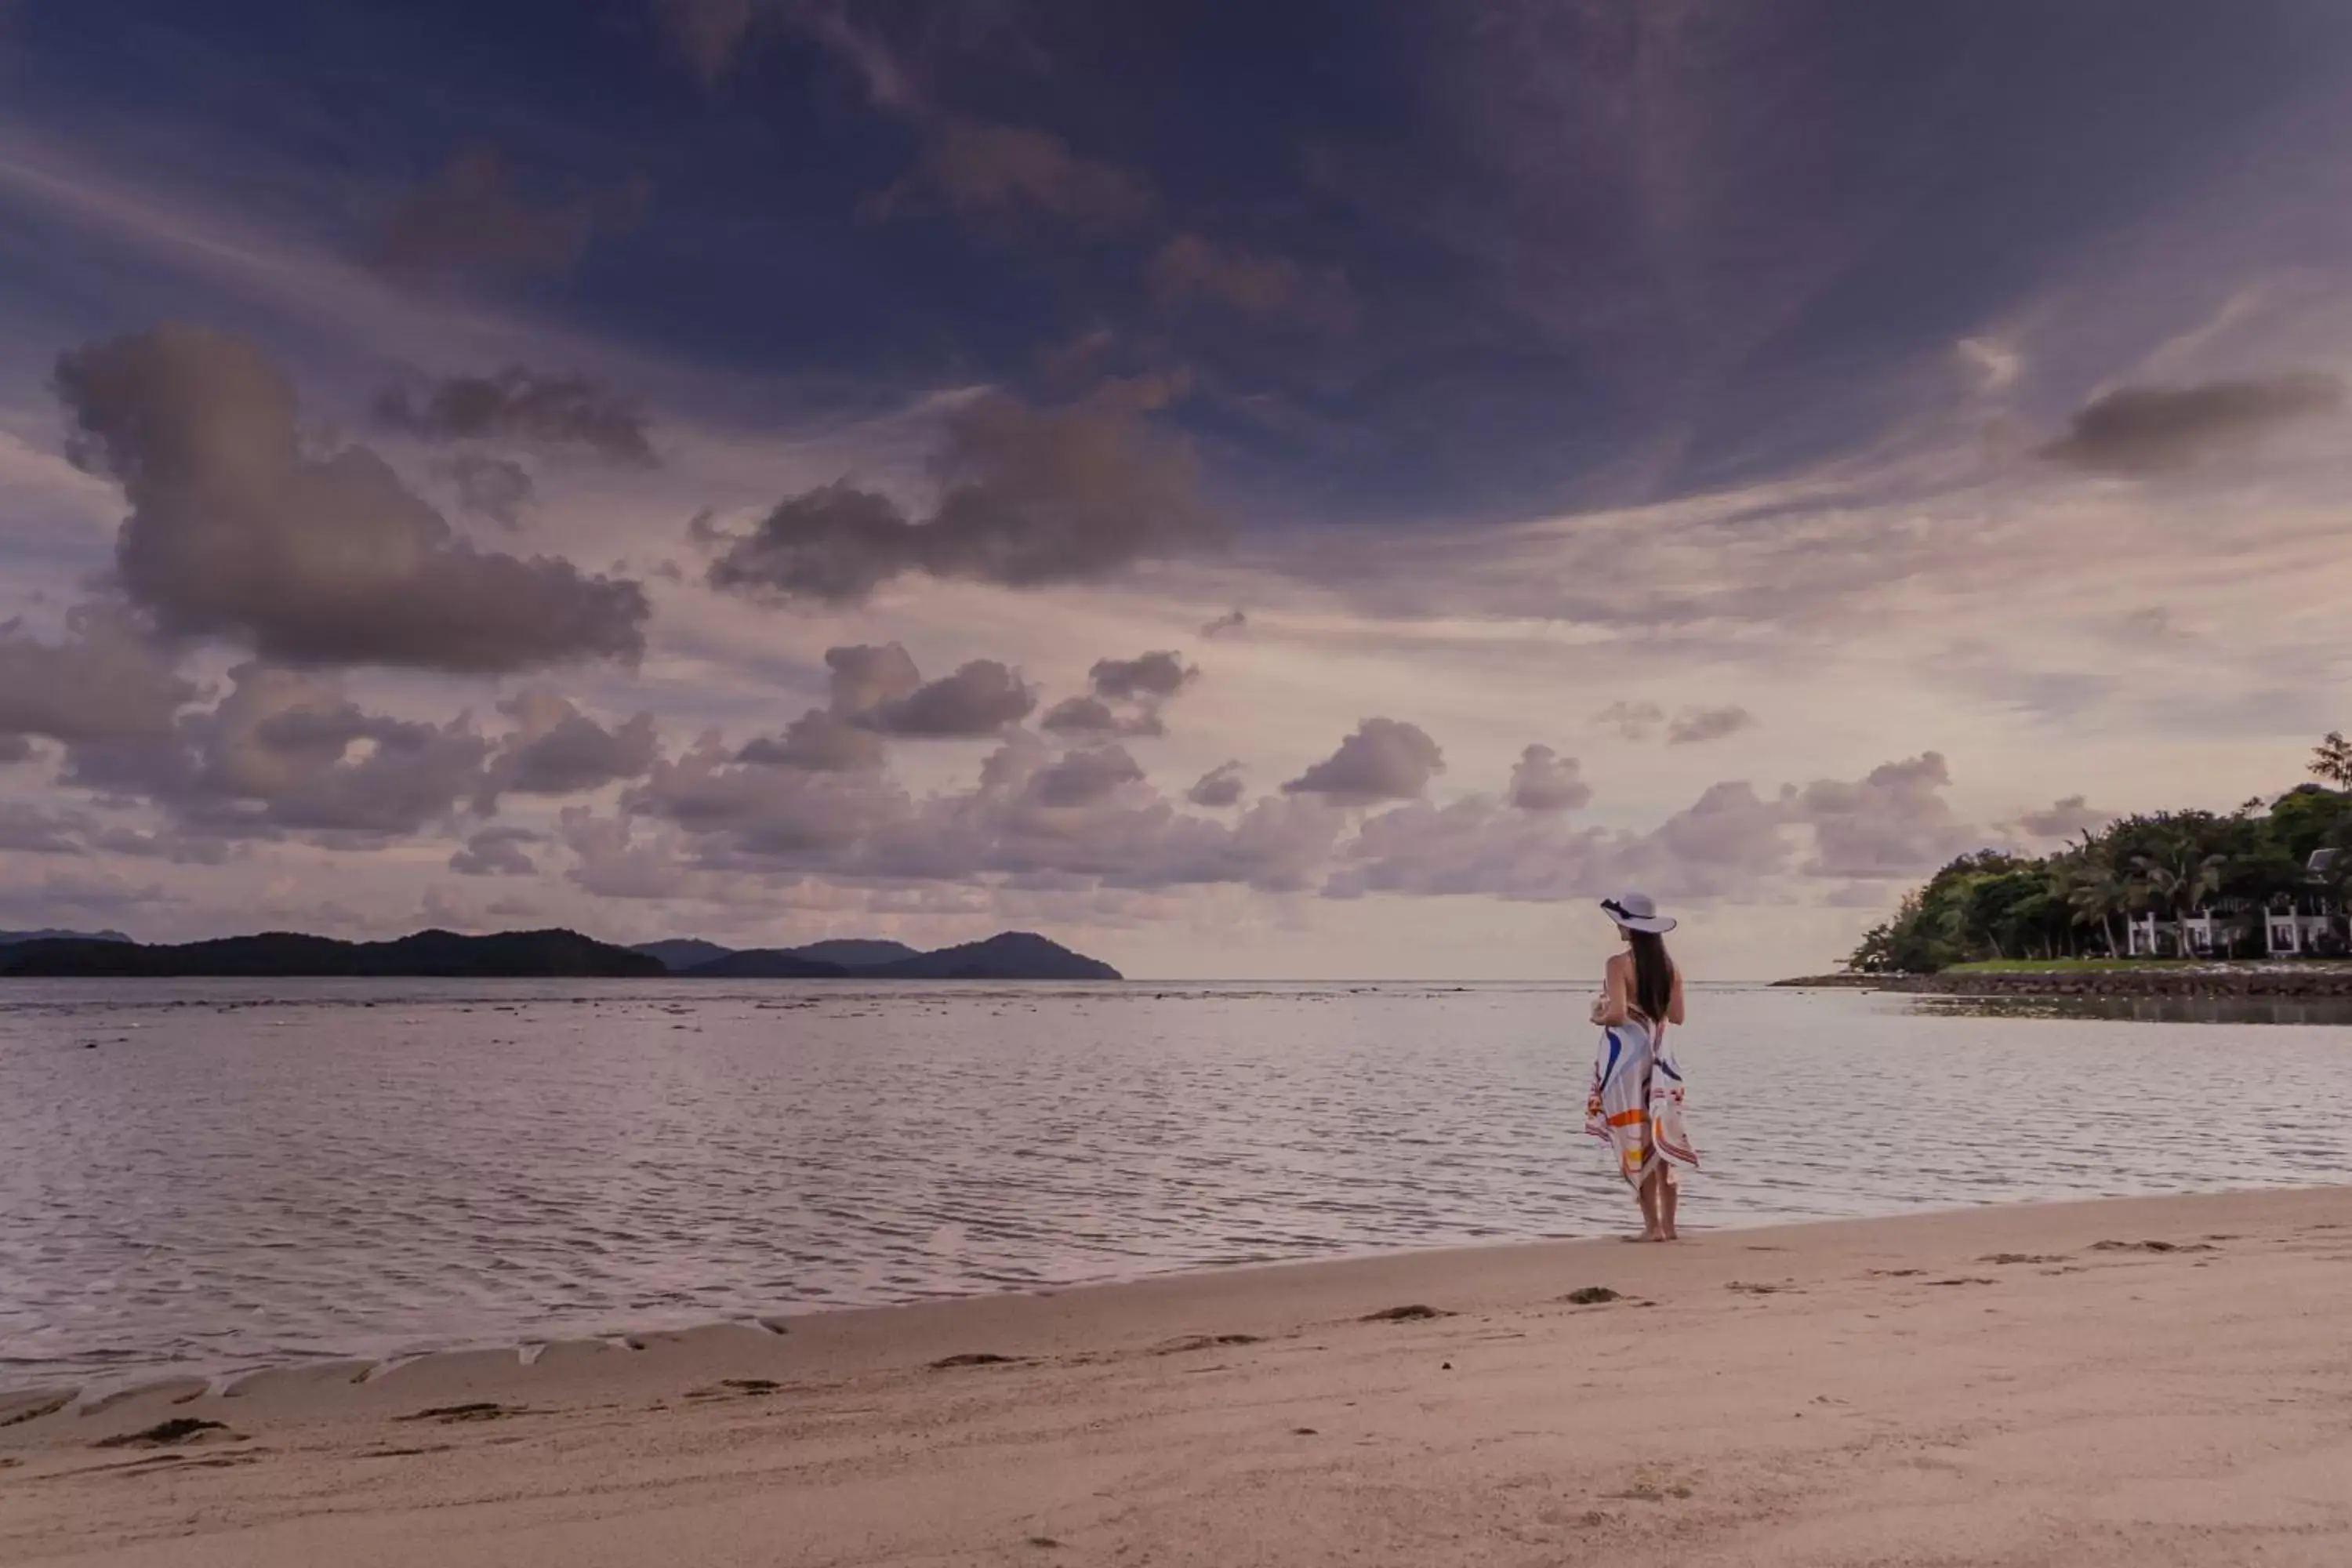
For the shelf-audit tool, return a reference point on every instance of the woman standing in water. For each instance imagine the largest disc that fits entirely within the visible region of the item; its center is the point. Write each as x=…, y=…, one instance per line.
x=1636, y=1103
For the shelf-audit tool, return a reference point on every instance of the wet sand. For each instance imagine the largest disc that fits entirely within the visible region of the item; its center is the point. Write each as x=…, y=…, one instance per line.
x=2141, y=1382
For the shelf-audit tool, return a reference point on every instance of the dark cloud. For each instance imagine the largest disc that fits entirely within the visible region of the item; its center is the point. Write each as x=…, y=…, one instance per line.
x=470, y=217
x=980, y=699
x=866, y=676
x=1220, y=787
x=1029, y=497
x=236, y=531
x=104, y=680
x=997, y=174
x=520, y=405
x=555, y=749
x=1231, y=624
x=2140, y=430
x=820, y=741
x=499, y=489
x=34, y=830
x=1083, y=778
x=1634, y=720
x=1695, y=726
x=496, y=852
x=1383, y=760
x=1543, y=780
x=16, y=749
x=1189, y=269
x=1151, y=677
x=1093, y=716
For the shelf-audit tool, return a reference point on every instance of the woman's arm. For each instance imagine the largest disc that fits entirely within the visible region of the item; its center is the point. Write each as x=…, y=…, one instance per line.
x=1616, y=1006
x=1675, y=1000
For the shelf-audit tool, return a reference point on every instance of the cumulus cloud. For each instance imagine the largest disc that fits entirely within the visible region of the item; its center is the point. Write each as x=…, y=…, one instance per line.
x=1127, y=695
x=499, y=489
x=1082, y=778
x=981, y=697
x=995, y=173
x=1543, y=780
x=821, y=741
x=16, y=749
x=2144, y=430
x=1383, y=760
x=1220, y=787
x=1694, y=726
x=1189, y=269
x=866, y=676
x=1232, y=623
x=103, y=681
x=1632, y=720
x=496, y=852
x=520, y=405
x=1028, y=497
x=555, y=749
x=470, y=217
x=1893, y=823
x=236, y=531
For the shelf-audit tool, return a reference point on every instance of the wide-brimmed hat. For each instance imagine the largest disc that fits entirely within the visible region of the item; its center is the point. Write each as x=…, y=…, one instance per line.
x=1637, y=912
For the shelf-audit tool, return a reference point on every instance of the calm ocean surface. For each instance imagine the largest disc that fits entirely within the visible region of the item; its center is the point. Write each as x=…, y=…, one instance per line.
x=200, y=1176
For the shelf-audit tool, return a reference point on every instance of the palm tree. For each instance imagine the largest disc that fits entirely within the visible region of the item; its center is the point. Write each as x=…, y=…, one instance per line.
x=2332, y=760
x=2095, y=893
x=2180, y=880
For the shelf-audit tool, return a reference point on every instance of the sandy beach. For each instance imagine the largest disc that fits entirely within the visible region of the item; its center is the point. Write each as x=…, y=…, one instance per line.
x=2142, y=1382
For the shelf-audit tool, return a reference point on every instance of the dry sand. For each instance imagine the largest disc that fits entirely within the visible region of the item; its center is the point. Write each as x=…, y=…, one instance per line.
x=2013, y=1386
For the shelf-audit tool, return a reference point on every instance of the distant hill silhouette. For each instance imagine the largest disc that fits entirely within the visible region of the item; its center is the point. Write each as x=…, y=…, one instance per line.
x=1014, y=955
x=681, y=952
x=857, y=953
x=766, y=963
x=439, y=954
x=13, y=938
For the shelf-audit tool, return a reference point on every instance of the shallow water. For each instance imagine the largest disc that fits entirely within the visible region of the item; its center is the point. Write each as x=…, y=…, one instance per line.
x=207, y=1176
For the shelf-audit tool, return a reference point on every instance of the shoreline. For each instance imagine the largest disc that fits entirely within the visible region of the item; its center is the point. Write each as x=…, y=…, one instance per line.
x=1832, y=1391
x=2281, y=982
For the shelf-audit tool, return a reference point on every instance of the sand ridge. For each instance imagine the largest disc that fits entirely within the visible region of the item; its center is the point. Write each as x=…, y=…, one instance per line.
x=2135, y=1382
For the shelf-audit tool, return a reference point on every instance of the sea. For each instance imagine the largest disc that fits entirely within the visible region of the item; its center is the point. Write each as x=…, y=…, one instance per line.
x=208, y=1176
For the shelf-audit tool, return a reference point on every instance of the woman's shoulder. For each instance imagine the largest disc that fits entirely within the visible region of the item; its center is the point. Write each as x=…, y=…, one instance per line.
x=1618, y=961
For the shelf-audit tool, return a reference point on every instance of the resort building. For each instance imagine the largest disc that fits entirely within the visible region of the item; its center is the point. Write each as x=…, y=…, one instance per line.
x=2294, y=925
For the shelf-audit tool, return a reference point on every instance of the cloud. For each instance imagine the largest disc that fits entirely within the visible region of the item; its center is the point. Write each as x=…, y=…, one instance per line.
x=1543, y=780
x=1634, y=720
x=2062, y=820
x=820, y=741
x=1220, y=787
x=706, y=34
x=520, y=405
x=1893, y=823
x=555, y=749
x=866, y=676
x=1151, y=677
x=1232, y=623
x=34, y=830
x=1695, y=726
x=1093, y=716
x=496, y=487
x=236, y=531
x=469, y=217
x=981, y=697
x=1189, y=269
x=103, y=681
x=16, y=749
x=994, y=173
x=1383, y=760
x=1083, y=778
x=1028, y=497
x=496, y=852
x=2143, y=430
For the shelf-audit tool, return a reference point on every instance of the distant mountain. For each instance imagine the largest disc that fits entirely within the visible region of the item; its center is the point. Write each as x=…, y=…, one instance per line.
x=12, y=938
x=515, y=954
x=765, y=963
x=1014, y=955
x=681, y=952
x=857, y=953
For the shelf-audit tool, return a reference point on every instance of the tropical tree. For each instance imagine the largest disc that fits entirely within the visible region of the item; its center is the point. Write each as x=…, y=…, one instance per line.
x=2332, y=760
x=2097, y=894
x=2180, y=880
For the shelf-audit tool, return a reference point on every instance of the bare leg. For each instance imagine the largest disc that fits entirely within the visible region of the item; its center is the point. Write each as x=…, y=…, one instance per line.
x=1647, y=1193
x=1670, y=1197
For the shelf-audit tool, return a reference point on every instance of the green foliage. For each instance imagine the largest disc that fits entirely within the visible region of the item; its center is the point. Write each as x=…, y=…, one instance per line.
x=1996, y=908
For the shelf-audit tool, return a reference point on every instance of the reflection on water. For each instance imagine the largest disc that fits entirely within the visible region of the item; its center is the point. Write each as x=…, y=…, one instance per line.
x=2334, y=1012
x=210, y=1174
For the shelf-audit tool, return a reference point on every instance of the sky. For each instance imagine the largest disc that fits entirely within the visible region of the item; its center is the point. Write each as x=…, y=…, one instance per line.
x=1322, y=490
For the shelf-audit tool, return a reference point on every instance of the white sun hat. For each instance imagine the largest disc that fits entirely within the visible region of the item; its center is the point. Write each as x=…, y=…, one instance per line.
x=1637, y=912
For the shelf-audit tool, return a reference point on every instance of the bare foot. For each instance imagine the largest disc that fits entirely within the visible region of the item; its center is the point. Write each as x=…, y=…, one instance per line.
x=1670, y=1234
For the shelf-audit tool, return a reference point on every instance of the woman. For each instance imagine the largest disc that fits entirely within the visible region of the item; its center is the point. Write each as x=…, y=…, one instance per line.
x=1636, y=1103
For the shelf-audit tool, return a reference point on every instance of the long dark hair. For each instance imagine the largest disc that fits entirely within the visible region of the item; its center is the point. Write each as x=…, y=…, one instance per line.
x=1653, y=975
